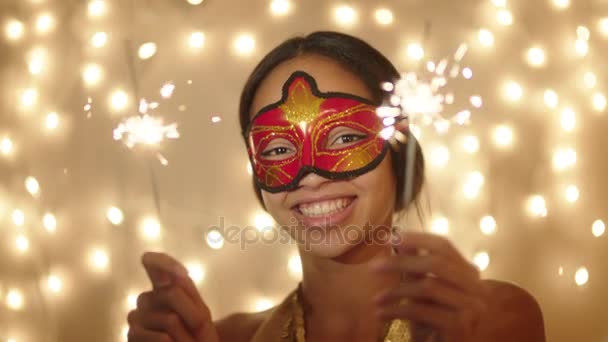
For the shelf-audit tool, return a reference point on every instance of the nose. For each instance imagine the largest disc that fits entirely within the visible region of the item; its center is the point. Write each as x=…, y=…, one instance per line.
x=313, y=181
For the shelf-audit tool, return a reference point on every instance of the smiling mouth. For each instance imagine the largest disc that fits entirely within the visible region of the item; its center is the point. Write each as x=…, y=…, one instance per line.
x=325, y=207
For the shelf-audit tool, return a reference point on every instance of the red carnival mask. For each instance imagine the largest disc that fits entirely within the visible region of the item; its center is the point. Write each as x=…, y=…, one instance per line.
x=305, y=131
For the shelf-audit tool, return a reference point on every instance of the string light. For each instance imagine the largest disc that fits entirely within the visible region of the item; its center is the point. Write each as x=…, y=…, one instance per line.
x=14, y=30
x=581, y=277
x=92, y=74
x=470, y=144
x=6, y=146
x=115, y=216
x=50, y=222
x=500, y=3
x=482, y=260
x=263, y=304
x=599, y=102
x=602, y=26
x=440, y=225
x=215, y=239
x=119, y=100
x=568, y=119
x=598, y=228
x=147, y=50
x=487, y=225
x=99, y=259
x=486, y=37
x=22, y=243
x=195, y=272
x=473, y=184
x=537, y=206
x=196, y=40
x=244, y=44
x=503, y=136
x=294, y=266
x=513, y=91
x=14, y=299
x=345, y=15
x=45, y=23
x=52, y=121
x=54, y=283
x=572, y=193
x=280, y=7
x=150, y=228
x=504, y=17
x=131, y=301
x=97, y=8
x=384, y=16
x=415, y=51
x=590, y=79
x=551, y=98
x=439, y=156
x=18, y=217
x=536, y=57
x=564, y=158
x=32, y=186
x=29, y=98
x=195, y=2
x=561, y=4
x=99, y=39
x=581, y=47
x=263, y=221
x=37, y=61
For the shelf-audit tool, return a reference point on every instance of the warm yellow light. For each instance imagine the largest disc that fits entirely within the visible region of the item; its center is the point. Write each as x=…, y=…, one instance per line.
x=551, y=98
x=500, y=3
x=568, y=119
x=215, y=239
x=384, y=16
x=119, y=100
x=22, y=243
x=131, y=301
x=195, y=2
x=482, y=260
x=599, y=102
x=14, y=29
x=6, y=146
x=503, y=136
x=99, y=259
x=561, y=4
x=50, y=222
x=294, y=266
x=513, y=91
x=583, y=33
x=249, y=168
x=14, y=299
x=150, y=228
x=536, y=57
x=54, y=283
x=29, y=97
x=244, y=44
x=263, y=304
x=602, y=26
x=473, y=183
x=92, y=74
x=440, y=225
x=97, y=8
x=115, y=216
x=195, y=272
x=280, y=7
x=37, y=61
x=590, y=80
x=470, y=144
x=598, y=228
x=45, y=23
x=537, y=206
x=581, y=47
x=415, y=51
x=572, y=193
x=51, y=121
x=439, y=156
x=146, y=50
x=486, y=37
x=263, y=221
x=32, y=186
x=564, y=158
x=99, y=39
x=487, y=225
x=196, y=40
x=504, y=17
x=18, y=217
x=581, y=277
x=345, y=15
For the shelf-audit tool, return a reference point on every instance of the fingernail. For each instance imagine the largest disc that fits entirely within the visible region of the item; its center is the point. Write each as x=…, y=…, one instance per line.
x=163, y=281
x=181, y=272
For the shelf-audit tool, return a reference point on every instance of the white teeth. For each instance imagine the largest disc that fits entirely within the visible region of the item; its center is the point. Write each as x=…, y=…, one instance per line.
x=324, y=208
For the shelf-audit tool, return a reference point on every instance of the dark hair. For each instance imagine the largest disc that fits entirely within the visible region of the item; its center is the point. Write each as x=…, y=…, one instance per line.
x=357, y=56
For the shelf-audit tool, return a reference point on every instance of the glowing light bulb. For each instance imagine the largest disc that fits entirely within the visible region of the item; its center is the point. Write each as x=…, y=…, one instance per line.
x=572, y=193
x=115, y=216
x=97, y=8
x=22, y=243
x=244, y=44
x=503, y=136
x=504, y=17
x=119, y=100
x=439, y=156
x=14, y=29
x=37, y=61
x=345, y=15
x=537, y=206
x=487, y=225
x=602, y=26
x=14, y=299
x=99, y=259
x=500, y=3
x=45, y=23
x=215, y=239
x=486, y=37
x=29, y=98
x=581, y=277
x=54, y=283
x=6, y=146
x=467, y=73
x=263, y=221
x=195, y=2
x=32, y=186
x=473, y=184
x=581, y=47
x=551, y=98
x=568, y=119
x=564, y=158
x=50, y=222
x=561, y=4
x=280, y=7
x=18, y=217
x=92, y=74
x=536, y=57
x=195, y=272
x=440, y=226
x=513, y=91
x=384, y=16
x=52, y=121
x=146, y=50
x=196, y=40
x=598, y=228
x=470, y=144
x=415, y=51
x=583, y=33
x=599, y=102
x=294, y=265
x=590, y=80
x=476, y=101
x=482, y=260
x=99, y=39
x=131, y=300
x=263, y=304
x=150, y=228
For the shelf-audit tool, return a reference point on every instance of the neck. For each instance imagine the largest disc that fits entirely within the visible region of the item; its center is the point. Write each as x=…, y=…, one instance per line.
x=338, y=292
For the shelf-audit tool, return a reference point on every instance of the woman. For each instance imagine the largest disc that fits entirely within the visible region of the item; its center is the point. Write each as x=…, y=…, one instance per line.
x=322, y=172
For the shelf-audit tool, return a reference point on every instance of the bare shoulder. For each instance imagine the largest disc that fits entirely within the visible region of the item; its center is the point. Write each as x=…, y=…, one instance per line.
x=240, y=326
x=514, y=315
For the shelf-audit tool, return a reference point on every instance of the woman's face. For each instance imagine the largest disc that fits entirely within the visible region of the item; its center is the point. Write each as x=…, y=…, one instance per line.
x=328, y=217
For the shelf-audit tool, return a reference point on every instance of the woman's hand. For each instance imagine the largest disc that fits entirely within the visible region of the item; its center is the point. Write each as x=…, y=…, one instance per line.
x=173, y=311
x=442, y=289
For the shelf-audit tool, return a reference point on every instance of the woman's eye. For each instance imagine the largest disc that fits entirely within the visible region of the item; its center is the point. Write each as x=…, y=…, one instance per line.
x=277, y=151
x=348, y=138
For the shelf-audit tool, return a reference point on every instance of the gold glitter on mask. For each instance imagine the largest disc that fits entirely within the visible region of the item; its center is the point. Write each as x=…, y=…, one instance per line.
x=301, y=105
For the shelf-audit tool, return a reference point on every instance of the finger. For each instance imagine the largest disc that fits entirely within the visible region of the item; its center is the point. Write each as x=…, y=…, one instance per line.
x=139, y=334
x=435, y=290
x=160, y=321
x=162, y=269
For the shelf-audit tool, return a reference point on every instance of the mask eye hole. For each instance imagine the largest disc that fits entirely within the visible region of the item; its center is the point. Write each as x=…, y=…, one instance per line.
x=341, y=137
x=278, y=149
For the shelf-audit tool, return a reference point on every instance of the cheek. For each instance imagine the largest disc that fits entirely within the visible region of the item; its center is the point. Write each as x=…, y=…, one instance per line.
x=379, y=185
x=274, y=203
